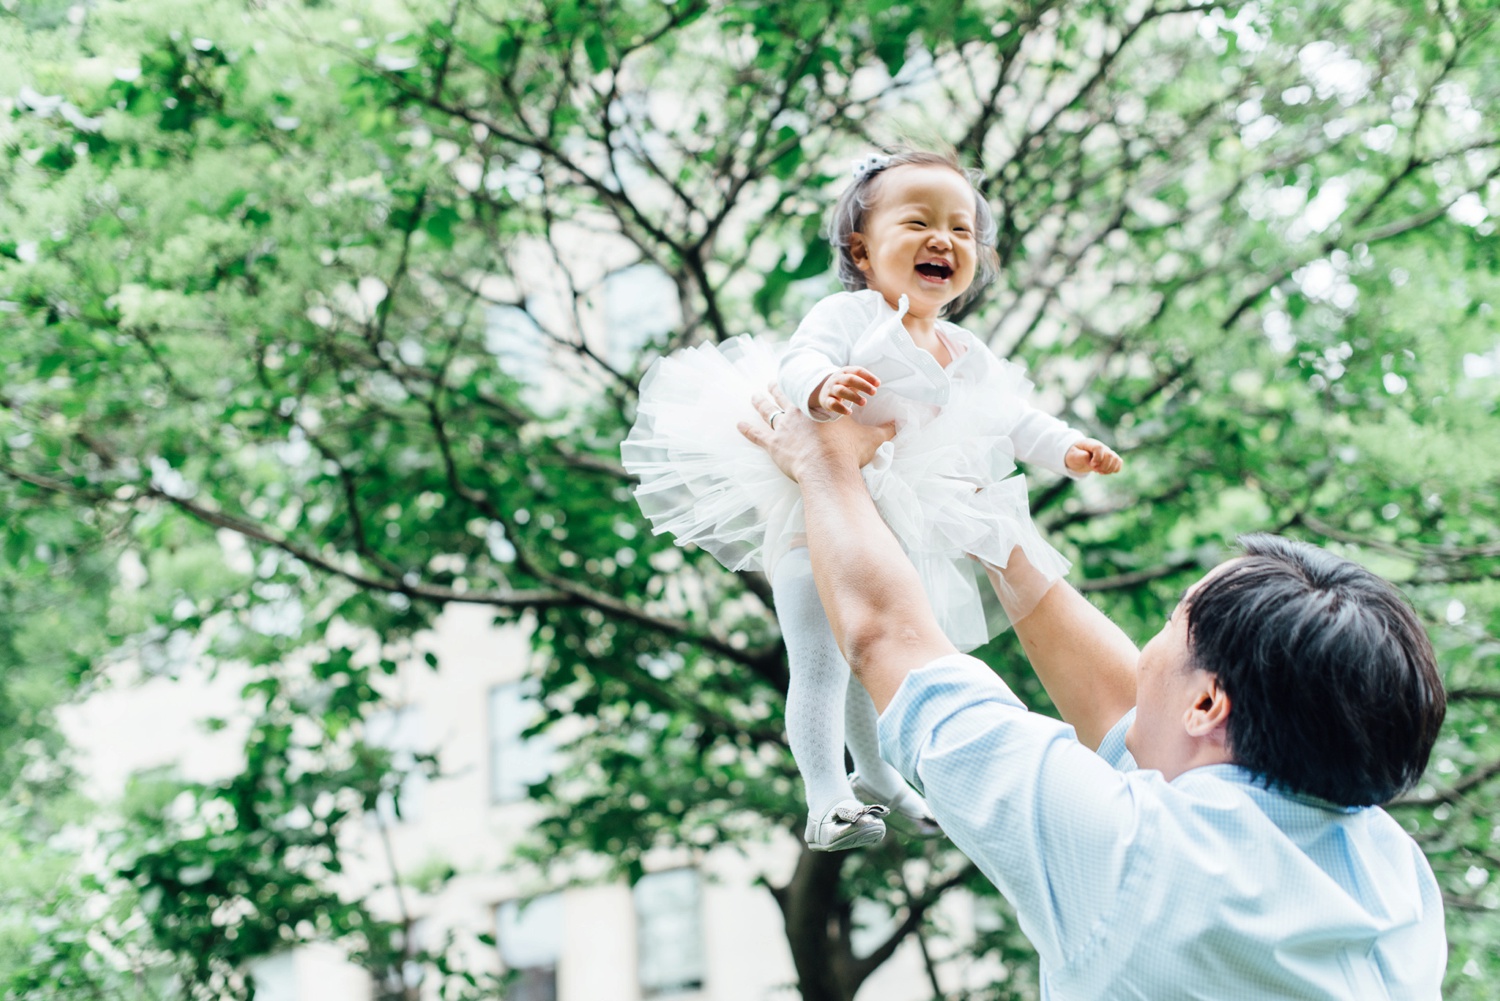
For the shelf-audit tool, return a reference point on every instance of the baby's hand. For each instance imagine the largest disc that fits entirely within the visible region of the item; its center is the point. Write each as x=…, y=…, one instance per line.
x=846, y=389
x=1092, y=456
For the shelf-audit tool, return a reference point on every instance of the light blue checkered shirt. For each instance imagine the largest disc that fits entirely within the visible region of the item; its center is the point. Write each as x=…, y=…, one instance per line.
x=1132, y=887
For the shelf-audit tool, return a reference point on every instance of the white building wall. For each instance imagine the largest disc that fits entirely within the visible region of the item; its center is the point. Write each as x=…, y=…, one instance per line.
x=137, y=724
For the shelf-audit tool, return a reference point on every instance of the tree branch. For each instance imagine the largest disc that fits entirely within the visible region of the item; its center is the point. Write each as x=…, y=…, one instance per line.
x=1454, y=792
x=1135, y=578
x=915, y=911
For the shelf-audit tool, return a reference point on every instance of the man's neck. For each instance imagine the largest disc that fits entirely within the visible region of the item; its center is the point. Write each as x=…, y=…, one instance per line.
x=1201, y=756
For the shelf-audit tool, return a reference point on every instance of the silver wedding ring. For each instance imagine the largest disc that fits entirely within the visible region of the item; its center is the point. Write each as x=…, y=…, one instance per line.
x=772, y=419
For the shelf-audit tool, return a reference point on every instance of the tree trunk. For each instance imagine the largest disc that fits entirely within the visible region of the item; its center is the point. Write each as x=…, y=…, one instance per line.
x=813, y=912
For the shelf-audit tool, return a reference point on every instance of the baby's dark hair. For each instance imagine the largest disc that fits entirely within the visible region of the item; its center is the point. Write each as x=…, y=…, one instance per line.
x=854, y=205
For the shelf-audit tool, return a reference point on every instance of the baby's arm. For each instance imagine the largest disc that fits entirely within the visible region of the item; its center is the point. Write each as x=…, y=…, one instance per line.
x=816, y=371
x=1090, y=455
x=1044, y=440
x=842, y=391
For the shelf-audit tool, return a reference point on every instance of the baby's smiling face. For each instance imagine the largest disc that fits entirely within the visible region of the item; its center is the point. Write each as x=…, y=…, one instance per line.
x=919, y=238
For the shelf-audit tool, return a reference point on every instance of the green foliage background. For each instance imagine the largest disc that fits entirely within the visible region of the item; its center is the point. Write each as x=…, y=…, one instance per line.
x=336, y=279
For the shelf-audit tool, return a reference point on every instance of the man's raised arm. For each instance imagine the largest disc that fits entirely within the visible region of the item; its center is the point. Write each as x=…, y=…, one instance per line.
x=1085, y=661
x=874, y=601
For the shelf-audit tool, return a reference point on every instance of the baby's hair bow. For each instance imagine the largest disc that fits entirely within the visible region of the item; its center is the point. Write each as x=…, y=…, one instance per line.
x=872, y=164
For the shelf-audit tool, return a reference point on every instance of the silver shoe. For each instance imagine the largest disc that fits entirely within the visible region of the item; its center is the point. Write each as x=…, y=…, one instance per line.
x=847, y=824
x=910, y=811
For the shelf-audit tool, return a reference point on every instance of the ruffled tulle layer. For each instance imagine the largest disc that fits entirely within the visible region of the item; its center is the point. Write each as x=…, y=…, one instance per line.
x=946, y=484
x=700, y=479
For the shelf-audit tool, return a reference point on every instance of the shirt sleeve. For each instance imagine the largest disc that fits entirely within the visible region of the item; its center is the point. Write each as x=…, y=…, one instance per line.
x=1112, y=747
x=1049, y=822
x=821, y=346
x=1044, y=440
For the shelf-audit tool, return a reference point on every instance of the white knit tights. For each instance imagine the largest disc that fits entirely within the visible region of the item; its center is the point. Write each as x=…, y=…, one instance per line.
x=860, y=720
x=825, y=705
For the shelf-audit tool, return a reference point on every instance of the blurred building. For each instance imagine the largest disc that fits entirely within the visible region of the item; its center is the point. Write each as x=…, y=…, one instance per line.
x=704, y=932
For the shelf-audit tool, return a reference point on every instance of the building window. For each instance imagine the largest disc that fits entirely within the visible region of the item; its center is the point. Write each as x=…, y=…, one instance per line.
x=517, y=762
x=529, y=935
x=399, y=731
x=668, y=932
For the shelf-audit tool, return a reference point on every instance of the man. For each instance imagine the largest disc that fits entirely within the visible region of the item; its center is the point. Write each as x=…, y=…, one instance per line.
x=1213, y=829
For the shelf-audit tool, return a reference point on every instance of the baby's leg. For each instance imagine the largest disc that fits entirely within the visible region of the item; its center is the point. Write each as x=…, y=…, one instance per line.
x=877, y=779
x=815, y=691
x=860, y=720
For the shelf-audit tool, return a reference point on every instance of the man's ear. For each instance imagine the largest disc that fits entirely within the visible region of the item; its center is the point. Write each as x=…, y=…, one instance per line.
x=859, y=252
x=1209, y=714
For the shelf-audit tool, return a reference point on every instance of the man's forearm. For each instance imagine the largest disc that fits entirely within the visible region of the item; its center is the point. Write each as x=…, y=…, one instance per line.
x=871, y=594
x=1085, y=662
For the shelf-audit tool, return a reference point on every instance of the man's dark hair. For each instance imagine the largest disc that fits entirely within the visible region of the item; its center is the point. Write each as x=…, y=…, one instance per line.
x=1333, y=686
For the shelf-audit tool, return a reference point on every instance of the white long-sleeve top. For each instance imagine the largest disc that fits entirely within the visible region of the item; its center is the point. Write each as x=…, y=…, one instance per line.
x=860, y=328
x=946, y=483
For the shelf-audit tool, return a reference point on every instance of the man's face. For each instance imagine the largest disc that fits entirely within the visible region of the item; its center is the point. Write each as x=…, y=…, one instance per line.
x=1167, y=689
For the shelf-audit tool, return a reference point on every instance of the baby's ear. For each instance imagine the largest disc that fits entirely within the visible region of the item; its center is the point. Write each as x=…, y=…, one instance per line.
x=859, y=252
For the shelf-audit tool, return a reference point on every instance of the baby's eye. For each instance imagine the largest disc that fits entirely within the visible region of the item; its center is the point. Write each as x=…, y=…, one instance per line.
x=915, y=222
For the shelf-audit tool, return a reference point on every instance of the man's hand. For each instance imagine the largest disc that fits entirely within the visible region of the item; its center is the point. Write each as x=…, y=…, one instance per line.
x=1093, y=456
x=800, y=446
x=844, y=390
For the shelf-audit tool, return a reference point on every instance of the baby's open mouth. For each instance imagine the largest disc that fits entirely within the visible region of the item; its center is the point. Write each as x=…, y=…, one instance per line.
x=935, y=269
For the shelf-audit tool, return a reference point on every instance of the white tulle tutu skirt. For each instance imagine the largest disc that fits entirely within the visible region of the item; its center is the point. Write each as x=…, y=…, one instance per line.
x=946, y=484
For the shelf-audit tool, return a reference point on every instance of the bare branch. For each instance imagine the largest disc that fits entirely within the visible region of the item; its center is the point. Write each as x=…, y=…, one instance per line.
x=1474, y=695
x=1455, y=792
x=916, y=910
x=1135, y=578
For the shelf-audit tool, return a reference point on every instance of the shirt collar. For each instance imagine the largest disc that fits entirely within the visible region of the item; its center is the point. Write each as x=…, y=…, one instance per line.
x=1242, y=776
